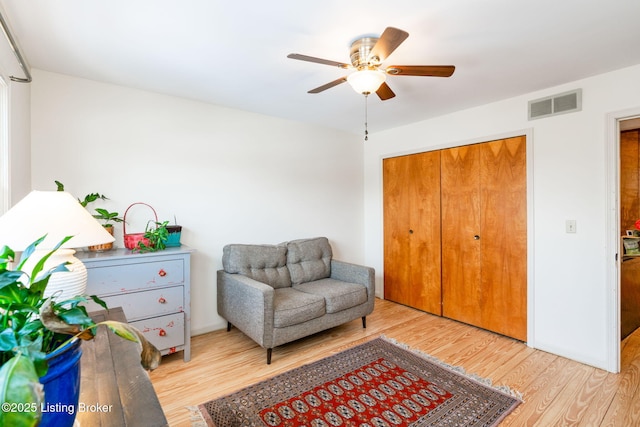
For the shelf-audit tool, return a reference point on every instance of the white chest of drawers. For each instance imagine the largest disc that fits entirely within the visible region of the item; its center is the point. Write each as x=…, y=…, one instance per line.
x=152, y=288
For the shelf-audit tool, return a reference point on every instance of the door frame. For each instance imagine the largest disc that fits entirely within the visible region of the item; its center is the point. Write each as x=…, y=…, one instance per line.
x=528, y=133
x=613, y=257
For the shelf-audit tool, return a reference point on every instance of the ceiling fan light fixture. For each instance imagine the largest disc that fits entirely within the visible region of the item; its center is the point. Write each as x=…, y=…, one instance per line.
x=366, y=81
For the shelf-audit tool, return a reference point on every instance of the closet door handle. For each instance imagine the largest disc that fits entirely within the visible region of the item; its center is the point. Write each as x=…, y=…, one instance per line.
x=410, y=231
x=476, y=237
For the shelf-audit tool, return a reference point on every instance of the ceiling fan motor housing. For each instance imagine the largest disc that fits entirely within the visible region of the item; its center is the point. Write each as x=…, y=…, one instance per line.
x=360, y=50
x=367, y=55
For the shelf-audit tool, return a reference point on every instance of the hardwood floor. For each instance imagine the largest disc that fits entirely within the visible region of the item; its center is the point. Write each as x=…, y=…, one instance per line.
x=556, y=391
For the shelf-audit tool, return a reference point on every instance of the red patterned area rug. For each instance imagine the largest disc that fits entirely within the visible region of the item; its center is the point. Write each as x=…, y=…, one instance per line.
x=375, y=384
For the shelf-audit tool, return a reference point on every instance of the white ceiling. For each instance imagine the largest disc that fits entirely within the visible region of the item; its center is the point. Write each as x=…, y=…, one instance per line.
x=233, y=53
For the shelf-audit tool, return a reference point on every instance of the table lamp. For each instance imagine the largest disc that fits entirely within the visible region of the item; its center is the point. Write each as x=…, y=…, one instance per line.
x=56, y=214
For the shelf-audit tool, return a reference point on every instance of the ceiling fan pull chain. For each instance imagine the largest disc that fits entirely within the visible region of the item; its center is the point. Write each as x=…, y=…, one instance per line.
x=366, y=113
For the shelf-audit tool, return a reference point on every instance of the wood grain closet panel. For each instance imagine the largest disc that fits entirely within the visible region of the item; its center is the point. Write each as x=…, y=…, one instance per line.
x=396, y=223
x=461, y=285
x=484, y=236
x=504, y=236
x=412, y=265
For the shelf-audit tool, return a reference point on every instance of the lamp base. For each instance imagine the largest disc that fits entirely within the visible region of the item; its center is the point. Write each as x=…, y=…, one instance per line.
x=62, y=284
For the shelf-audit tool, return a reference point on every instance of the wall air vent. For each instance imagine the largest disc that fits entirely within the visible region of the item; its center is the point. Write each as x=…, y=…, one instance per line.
x=561, y=103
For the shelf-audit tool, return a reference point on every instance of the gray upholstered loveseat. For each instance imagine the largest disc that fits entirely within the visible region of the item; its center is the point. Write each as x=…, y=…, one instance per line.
x=276, y=294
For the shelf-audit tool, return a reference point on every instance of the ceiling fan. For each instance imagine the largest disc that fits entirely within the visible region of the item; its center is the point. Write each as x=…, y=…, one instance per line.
x=367, y=55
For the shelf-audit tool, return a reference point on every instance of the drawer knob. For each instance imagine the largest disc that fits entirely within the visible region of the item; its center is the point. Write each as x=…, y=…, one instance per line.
x=161, y=300
x=162, y=273
x=162, y=333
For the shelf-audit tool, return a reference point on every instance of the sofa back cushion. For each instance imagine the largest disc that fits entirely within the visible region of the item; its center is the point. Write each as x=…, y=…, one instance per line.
x=264, y=263
x=309, y=259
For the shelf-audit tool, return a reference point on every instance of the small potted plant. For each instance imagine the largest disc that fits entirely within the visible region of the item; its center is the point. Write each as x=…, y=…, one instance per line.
x=107, y=218
x=37, y=332
x=101, y=214
x=175, y=231
x=155, y=238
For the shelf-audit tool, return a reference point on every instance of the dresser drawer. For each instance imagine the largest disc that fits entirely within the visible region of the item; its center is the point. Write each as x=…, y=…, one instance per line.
x=114, y=279
x=165, y=332
x=151, y=303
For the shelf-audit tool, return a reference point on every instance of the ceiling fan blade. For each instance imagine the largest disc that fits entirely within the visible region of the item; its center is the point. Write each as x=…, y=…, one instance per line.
x=318, y=60
x=384, y=92
x=421, y=70
x=328, y=85
x=390, y=39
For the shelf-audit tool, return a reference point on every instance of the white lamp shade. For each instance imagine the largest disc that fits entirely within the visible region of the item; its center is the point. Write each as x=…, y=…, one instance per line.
x=54, y=213
x=366, y=81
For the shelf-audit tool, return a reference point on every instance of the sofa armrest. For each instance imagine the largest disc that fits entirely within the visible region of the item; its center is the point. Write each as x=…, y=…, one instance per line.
x=354, y=273
x=247, y=304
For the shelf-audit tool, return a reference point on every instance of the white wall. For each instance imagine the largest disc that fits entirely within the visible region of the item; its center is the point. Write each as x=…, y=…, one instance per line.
x=569, y=288
x=228, y=176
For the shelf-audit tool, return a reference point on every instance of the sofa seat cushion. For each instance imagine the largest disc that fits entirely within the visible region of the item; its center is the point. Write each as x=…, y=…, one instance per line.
x=292, y=307
x=309, y=259
x=264, y=263
x=338, y=295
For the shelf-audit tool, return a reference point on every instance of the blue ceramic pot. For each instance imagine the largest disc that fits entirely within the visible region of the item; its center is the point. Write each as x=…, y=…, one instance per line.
x=62, y=386
x=173, y=239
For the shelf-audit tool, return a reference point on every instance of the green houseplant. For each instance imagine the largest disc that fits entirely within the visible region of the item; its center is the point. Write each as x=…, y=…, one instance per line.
x=155, y=238
x=106, y=218
x=101, y=214
x=34, y=326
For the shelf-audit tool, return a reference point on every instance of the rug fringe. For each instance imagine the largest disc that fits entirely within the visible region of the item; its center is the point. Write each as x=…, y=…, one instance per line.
x=196, y=417
x=458, y=369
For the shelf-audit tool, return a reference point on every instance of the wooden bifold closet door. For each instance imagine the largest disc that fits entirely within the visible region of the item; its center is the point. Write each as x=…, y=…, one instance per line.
x=412, y=231
x=469, y=204
x=484, y=236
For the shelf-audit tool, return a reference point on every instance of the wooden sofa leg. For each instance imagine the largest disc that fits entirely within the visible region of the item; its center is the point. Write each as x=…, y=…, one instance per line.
x=269, y=351
x=229, y=325
x=364, y=322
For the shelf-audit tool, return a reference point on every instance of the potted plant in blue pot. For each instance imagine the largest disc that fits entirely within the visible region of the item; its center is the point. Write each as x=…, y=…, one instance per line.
x=40, y=344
